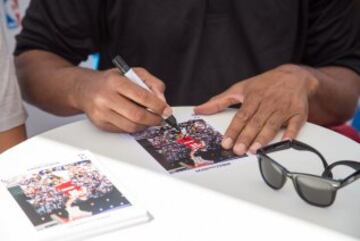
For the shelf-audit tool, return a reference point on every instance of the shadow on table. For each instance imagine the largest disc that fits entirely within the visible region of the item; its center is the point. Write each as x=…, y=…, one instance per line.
x=240, y=180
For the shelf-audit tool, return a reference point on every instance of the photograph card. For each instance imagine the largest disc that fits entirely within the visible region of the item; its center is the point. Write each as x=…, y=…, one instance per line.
x=198, y=145
x=64, y=193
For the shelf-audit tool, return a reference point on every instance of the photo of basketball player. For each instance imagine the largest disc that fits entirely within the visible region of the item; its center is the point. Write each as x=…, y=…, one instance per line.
x=64, y=194
x=197, y=145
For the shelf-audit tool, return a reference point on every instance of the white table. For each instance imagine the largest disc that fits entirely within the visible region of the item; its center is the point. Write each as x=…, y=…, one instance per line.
x=228, y=203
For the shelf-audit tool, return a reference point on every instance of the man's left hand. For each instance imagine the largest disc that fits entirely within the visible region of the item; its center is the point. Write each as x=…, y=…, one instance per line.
x=272, y=100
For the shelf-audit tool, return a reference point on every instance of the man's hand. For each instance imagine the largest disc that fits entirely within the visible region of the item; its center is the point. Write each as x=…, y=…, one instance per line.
x=278, y=98
x=114, y=103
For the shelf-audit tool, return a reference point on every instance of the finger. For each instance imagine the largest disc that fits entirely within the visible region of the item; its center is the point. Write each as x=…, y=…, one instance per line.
x=242, y=116
x=155, y=84
x=269, y=131
x=294, y=125
x=217, y=104
x=132, y=111
x=252, y=128
x=143, y=97
x=122, y=123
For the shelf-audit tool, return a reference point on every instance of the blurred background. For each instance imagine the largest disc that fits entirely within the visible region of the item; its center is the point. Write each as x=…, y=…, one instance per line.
x=40, y=121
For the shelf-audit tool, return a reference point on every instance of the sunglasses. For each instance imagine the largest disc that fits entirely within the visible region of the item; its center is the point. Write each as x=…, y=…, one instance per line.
x=316, y=190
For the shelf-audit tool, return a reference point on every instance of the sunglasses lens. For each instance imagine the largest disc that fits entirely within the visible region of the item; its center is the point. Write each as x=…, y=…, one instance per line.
x=315, y=190
x=272, y=173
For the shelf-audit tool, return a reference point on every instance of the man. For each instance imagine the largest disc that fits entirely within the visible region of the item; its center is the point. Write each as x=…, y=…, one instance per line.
x=12, y=114
x=285, y=61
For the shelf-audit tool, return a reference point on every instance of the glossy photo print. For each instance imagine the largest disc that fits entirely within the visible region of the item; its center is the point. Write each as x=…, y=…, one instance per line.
x=197, y=146
x=64, y=194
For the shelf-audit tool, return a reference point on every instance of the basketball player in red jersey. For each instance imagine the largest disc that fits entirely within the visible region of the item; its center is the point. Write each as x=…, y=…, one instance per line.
x=194, y=145
x=72, y=192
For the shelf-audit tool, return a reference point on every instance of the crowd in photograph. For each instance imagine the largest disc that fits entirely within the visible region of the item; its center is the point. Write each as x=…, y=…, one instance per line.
x=50, y=189
x=164, y=139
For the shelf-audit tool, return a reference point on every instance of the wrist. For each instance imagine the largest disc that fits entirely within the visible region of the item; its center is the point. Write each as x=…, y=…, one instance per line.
x=80, y=92
x=75, y=95
x=306, y=74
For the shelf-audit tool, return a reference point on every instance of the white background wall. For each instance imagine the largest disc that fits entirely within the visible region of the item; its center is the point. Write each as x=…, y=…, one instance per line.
x=38, y=121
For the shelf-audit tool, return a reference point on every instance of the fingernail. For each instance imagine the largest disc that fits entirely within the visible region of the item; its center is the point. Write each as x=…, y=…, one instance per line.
x=254, y=147
x=167, y=112
x=227, y=143
x=240, y=149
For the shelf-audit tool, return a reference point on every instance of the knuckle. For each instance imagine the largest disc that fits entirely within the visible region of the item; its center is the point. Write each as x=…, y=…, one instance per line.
x=137, y=115
x=99, y=101
x=143, y=95
x=256, y=123
x=161, y=86
x=242, y=116
x=273, y=125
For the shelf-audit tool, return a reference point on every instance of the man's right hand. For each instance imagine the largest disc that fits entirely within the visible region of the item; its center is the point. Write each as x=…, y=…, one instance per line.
x=114, y=103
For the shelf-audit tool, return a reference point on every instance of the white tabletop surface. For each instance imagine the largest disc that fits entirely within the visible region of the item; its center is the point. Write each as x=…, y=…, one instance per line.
x=227, y=203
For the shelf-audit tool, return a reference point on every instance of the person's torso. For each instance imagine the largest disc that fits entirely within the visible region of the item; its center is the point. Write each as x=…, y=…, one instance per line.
x=199, y=48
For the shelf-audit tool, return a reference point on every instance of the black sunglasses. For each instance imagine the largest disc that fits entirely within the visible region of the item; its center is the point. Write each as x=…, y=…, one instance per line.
x=315, y=190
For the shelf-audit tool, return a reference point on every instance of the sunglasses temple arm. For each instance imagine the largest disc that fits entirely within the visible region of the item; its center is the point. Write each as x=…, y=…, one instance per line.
x=353, y=177
x=350, y=179
x=297, y=145
x=283, y=145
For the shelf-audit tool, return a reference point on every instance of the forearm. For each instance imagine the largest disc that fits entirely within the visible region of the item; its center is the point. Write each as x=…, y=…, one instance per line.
x=336, y=96
x=50, y=82
x=12, y=137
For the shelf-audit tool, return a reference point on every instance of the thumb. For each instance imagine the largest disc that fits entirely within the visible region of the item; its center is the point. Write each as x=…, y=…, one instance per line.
x=218, y=103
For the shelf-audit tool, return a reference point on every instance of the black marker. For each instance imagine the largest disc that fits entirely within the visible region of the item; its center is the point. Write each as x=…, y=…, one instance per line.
x=131, y=75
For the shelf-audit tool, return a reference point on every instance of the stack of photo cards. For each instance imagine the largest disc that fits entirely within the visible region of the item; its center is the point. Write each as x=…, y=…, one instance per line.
x=197, y=147
x=68, y=199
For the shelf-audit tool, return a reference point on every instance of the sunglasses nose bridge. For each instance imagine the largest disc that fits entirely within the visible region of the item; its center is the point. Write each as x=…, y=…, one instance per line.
x=289, y=175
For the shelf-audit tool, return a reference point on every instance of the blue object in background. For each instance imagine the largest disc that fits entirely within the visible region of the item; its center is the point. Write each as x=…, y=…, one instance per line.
x=12, y=14
x=356, y=120
x=95, y=60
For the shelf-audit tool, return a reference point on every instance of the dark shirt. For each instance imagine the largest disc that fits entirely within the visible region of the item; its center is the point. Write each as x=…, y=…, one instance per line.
x=198, y=48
